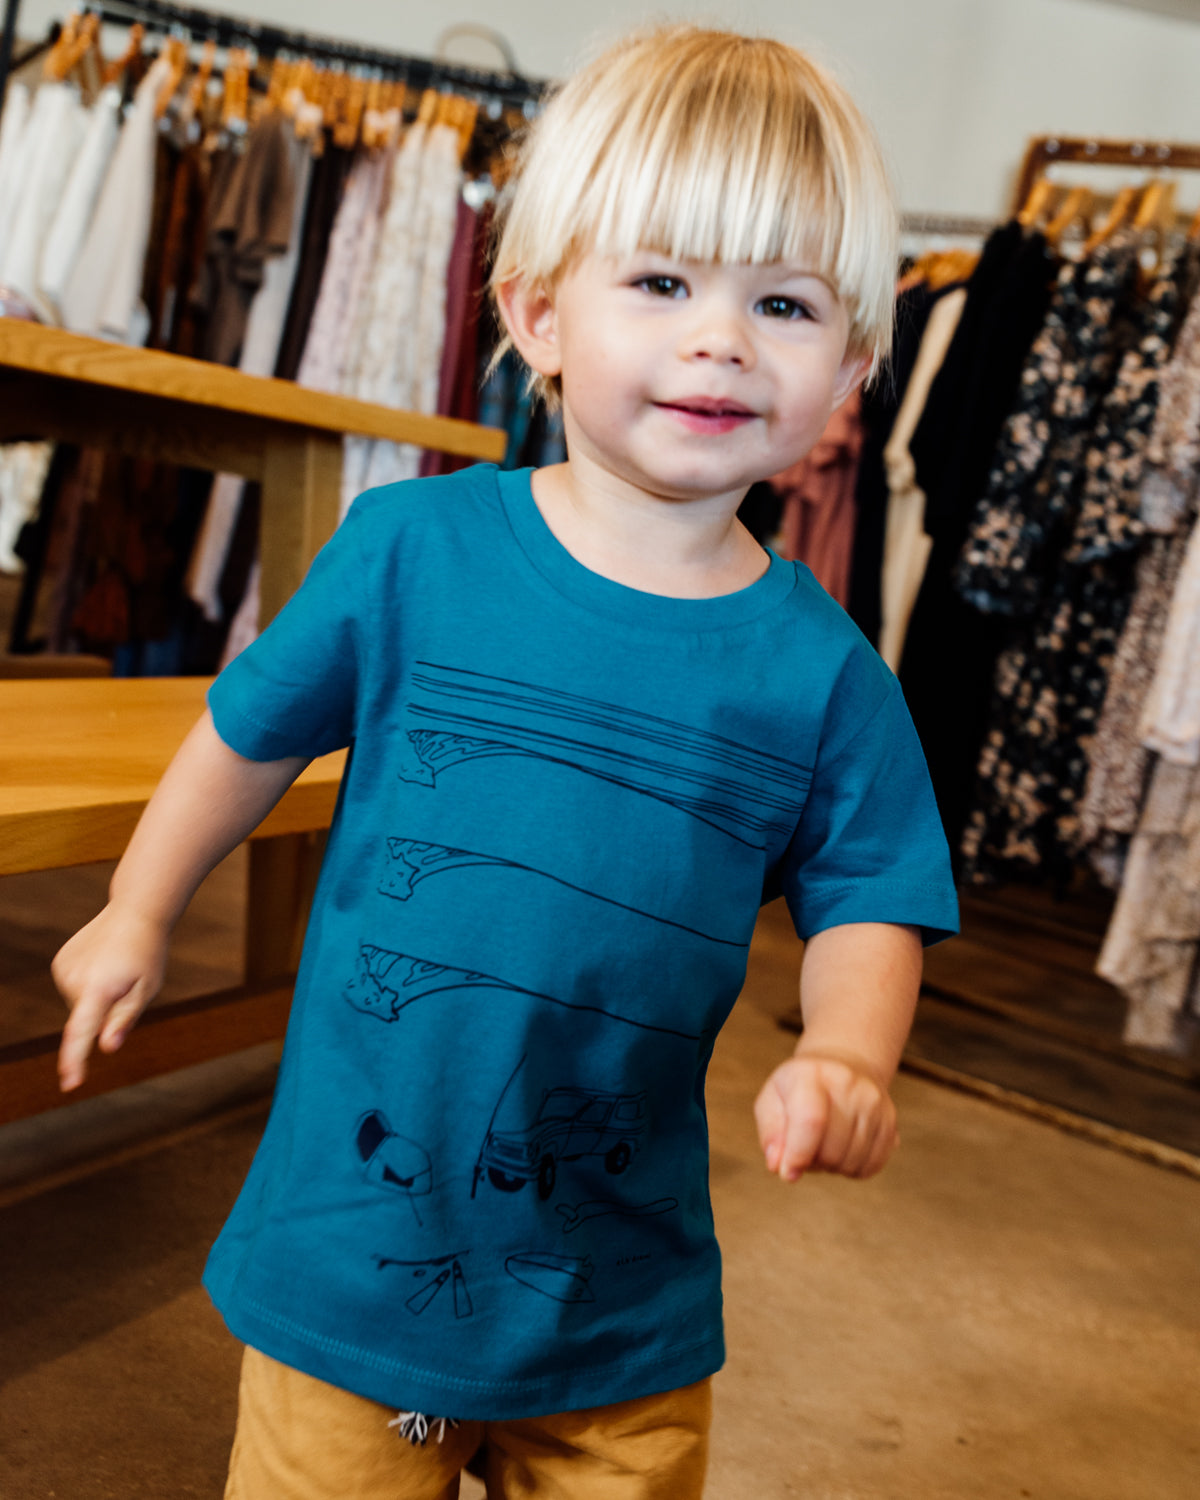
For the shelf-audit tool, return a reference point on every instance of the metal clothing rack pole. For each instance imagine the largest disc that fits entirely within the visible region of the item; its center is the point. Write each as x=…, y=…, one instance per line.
x=267, y=41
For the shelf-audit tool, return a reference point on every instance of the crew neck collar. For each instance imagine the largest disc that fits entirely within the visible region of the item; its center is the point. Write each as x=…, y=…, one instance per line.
x=569, y=577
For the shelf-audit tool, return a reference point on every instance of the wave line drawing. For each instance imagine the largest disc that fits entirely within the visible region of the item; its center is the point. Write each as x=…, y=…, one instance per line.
x=411, y=861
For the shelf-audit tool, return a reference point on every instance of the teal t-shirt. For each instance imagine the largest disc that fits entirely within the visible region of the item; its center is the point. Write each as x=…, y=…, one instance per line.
x=483, y=1188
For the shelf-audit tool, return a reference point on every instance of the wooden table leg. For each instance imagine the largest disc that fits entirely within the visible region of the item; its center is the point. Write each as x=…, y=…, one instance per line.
x=301, y=492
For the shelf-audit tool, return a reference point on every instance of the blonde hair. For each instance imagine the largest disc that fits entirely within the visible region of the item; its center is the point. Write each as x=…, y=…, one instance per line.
x=705, y=145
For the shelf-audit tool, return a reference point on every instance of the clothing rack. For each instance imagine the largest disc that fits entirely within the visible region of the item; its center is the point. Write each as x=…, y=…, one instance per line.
x=510, y=88
x=1044, y=151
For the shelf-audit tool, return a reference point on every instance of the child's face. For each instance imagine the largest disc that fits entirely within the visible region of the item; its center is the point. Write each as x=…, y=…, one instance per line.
x=689, y=379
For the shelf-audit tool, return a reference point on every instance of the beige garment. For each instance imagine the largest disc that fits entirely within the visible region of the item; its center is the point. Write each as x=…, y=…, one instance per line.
x=906, y=546
x=1153, y=940
x=1171, y=716
x=53, y=136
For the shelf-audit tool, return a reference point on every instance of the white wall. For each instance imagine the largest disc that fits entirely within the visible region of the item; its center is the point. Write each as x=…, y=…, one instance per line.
x=955, y=87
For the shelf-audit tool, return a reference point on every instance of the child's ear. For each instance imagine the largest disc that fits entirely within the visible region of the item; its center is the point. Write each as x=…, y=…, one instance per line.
x=530, y=317
x=854, y=370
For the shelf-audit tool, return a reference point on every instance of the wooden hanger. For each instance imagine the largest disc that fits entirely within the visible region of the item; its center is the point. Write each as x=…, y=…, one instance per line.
x=430, y=105
x=199, y=84
x=58, y=59
x=1157, y=208
x=1076, y=205
x=1123, y=206
x=133, y=50
x=1041, y=197
x=176, y=54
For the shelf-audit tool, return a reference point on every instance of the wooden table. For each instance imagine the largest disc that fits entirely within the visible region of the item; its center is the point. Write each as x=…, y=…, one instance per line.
x=78, y=762
x=80, y=759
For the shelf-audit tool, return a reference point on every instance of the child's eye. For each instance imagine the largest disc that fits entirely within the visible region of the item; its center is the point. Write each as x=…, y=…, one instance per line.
x=783, y=307
x=662, y=286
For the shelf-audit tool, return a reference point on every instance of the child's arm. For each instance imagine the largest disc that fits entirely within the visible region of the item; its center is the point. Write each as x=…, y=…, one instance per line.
x=828, y=1108
x=209, y=799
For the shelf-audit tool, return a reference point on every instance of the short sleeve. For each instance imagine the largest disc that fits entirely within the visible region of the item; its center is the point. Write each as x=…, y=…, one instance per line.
x=293, y=690
x=869, y=846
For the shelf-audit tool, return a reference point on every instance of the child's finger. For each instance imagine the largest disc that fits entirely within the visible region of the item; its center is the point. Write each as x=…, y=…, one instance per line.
x=84, y=1025
x=771, y=1120
x=807, y=1122
x=79, y=1034
x=121, y=1018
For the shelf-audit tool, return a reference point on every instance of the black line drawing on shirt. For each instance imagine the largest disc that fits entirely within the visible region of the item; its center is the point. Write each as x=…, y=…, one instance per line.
x=565, y=1278
x=570, y=1123
x=386, y=983
x=461, y=716
x=411, y=861
x=392, y=1161
x=448, y=1268
x=573, y=1217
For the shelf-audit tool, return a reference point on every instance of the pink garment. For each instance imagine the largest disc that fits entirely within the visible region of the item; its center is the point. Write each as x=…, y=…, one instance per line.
x=819, y=510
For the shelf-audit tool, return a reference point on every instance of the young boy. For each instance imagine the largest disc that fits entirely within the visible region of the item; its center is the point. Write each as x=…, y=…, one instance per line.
x=593, y=726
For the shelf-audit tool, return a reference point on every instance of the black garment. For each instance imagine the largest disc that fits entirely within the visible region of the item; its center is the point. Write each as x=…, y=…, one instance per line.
x=951, y=649
x=880, y=403
x=328, y=179
x=976, y=387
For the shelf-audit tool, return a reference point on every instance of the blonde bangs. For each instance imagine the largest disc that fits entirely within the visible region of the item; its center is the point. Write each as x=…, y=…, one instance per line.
x=712, y=147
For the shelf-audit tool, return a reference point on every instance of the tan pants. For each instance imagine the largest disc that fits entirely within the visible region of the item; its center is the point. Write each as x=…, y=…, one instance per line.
x=300, y=1439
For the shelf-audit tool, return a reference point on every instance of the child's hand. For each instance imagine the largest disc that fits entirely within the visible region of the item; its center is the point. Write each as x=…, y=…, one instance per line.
x=107, y=973
x=822, y=1114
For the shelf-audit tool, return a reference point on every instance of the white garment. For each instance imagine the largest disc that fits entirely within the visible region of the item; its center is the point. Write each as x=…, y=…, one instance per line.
x=906, y=546
x=415, y=383
x=77, y=204
x=13, y=163
x=51, y=140
x=102, y=297
x=1170, y=720
x=23, y=469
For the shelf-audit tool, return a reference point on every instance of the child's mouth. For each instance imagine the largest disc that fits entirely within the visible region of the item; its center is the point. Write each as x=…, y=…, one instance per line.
x=706, y=414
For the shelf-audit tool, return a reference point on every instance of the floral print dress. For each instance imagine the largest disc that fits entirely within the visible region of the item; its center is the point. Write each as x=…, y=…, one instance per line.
x=1054, y=544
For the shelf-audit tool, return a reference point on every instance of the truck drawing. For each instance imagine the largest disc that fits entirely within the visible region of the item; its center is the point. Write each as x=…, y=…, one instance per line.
x=570, y=1123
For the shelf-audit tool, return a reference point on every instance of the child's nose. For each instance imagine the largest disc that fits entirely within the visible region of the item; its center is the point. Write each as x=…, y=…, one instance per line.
x=718, y=333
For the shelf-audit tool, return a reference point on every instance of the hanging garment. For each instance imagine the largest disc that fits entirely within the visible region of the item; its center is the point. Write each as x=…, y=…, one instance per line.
x=1152, y=947
x=1170, y=721
x=458, y=391
x=1018, y=527
x=879, y=403
x=977, y=385
x=23, y=469
x=178, y=319
x=948, y=641
x=102, y=296
x=1051, y=682
x=906, y=542
x=328, y=175
x=351, y=252
x=77, y=204
x=13, y=154
x=54, y=135
x=385, y=331
x=260, y=349
x=1119, y=761
x=252, y=219
x=436, y=215
x=817, y=527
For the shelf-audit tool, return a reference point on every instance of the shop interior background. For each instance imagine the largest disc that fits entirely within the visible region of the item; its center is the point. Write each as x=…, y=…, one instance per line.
x=954, y=87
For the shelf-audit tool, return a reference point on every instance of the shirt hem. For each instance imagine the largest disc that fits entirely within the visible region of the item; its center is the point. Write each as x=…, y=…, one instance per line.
x=394, y=1383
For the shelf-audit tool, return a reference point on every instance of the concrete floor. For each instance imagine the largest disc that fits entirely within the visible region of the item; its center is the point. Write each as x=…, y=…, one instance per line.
x=1006, y=1312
